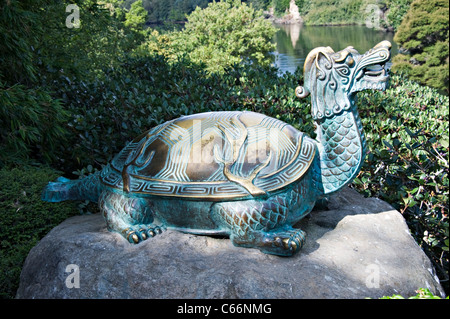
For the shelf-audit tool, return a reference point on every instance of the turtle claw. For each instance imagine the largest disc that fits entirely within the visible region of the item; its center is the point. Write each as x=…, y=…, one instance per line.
x=138, y=233
x=152, y=232
x=294, y=242
x=284, y=243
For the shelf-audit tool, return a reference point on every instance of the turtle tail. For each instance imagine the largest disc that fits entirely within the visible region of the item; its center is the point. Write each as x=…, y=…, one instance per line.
x=87, y=188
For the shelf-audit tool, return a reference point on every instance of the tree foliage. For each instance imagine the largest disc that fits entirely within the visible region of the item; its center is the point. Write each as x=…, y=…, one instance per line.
x=39, y=55
x=382, y=14
x=395, y=11
x=136, y=16
x=329, y=12
x=424, y=33
x=32, y=124
x=170, y=10
x=16, y=48
x=225, y=33
x=221, y=35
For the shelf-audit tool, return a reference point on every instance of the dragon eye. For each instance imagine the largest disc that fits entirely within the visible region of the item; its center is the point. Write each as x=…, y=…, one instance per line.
x=343, y=70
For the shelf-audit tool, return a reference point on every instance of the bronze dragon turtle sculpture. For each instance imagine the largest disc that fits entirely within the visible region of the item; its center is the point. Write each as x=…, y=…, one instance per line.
x=241, y=174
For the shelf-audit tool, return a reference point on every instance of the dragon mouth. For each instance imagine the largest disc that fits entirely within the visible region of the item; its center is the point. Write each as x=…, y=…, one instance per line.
x=373, y=72
x=373, y=77
x=377, y=72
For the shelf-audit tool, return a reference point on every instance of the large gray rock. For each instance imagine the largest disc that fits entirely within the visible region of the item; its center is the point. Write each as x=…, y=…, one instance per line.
x=357, y=248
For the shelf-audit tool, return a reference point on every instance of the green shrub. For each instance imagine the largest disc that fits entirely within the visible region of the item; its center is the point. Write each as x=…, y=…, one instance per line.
x=424, y=33
x=24, y=219
x=407, y=161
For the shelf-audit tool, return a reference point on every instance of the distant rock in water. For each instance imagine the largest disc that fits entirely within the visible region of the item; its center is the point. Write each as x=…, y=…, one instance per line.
x=292, y=15
x=359, y=247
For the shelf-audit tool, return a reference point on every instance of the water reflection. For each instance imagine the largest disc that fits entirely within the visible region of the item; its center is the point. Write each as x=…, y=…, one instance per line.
x=294, y=42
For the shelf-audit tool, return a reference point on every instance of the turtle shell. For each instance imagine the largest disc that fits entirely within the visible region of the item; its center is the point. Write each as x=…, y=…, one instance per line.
x=212, y=156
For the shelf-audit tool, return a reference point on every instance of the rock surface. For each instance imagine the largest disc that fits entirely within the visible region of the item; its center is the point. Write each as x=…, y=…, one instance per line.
x=357, y=248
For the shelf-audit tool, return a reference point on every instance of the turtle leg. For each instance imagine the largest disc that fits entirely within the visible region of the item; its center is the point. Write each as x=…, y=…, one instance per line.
x=132, y=217
x=260, y=224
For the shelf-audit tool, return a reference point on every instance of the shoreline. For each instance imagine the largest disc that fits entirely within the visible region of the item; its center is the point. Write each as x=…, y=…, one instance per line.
x=285, y=20
x=282, y=21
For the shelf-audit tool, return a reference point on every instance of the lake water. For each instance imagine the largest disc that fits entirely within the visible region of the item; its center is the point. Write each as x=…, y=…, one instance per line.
x=294, y=42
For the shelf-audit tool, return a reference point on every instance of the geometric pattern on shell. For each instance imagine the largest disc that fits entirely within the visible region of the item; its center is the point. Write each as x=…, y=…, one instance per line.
x=186, y=157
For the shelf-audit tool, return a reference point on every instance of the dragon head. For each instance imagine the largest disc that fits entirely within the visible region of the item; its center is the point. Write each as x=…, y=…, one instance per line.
x=333, y=78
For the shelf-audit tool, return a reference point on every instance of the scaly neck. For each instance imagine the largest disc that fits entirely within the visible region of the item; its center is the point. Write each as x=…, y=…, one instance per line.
x=342, y=149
